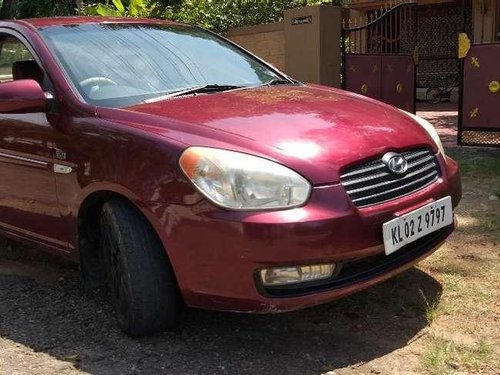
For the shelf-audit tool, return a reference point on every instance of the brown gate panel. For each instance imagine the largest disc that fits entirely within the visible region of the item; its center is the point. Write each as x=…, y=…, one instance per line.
x=398, y=82
x=481, y=95
x=377, y=53
x=362, y=74
x=480, y=107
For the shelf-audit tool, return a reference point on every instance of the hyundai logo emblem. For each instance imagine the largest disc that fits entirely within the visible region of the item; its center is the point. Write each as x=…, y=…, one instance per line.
x=395, y=163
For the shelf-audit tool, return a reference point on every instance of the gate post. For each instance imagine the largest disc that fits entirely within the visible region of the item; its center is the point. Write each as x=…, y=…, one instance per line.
x=462, y=32
x=312, y=44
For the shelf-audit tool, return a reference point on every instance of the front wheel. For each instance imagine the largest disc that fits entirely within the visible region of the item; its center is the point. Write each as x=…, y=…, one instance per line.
x=141, y=282
x=432, y=96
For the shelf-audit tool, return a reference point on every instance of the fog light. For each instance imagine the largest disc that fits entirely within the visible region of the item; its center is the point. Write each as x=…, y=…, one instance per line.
x=301, y=274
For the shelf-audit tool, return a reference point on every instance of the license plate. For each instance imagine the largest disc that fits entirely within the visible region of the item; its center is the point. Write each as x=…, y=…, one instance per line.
x=416, y=224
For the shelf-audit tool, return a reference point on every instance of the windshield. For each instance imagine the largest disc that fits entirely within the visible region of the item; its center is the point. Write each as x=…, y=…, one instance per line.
x=119, y=65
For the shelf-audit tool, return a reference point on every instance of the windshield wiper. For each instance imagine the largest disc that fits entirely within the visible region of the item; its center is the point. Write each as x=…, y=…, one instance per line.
x=195, y=90
x=215, y=88
x=278, y=81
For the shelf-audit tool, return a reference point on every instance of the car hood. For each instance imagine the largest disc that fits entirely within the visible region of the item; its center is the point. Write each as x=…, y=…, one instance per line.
x=313, y=129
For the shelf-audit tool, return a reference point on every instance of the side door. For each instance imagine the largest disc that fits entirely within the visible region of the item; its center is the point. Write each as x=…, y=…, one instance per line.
x=28, y=202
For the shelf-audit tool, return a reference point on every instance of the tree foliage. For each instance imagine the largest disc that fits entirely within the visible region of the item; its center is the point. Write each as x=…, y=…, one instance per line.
x=126, y=8
x=218, y=15
x=45, y=8
x=40, y=8
x=118, y=8
x=6, y=9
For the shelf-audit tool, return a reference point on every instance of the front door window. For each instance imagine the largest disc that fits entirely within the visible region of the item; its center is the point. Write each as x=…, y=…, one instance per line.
x=11, y=51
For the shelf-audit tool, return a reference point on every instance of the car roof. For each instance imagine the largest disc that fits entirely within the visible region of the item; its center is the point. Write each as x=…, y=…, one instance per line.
x=60, y=21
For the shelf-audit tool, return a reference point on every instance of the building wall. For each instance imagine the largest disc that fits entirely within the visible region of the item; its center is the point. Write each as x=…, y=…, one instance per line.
x=305, y=45
x=312, y=36
x=266, y=41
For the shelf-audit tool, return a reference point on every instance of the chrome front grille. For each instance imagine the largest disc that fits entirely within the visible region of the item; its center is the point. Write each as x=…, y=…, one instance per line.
x=372, y=182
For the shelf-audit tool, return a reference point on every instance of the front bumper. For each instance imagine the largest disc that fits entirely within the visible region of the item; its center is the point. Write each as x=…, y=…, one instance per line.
x=216, y=254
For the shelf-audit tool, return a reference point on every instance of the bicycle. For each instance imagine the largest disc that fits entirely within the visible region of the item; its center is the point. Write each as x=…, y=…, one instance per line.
x=436, y=95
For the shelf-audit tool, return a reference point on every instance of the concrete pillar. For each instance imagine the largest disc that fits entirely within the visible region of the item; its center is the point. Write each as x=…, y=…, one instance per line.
x=312, y=44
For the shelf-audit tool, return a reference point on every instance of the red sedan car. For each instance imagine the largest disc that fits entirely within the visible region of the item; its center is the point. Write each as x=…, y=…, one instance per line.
x=179, y=169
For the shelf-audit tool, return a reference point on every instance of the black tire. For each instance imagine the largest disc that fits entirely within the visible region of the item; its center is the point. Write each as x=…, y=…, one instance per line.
x=141, y=281
x=432, y=96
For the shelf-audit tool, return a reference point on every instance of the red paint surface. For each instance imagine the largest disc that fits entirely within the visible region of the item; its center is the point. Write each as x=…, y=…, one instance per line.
x=133, y=152
x=23, y=96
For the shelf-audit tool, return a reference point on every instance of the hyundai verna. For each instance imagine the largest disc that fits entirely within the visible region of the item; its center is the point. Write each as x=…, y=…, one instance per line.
x=180, y=170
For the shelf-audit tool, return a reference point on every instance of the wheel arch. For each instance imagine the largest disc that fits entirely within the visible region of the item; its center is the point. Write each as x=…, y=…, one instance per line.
x=88, y=231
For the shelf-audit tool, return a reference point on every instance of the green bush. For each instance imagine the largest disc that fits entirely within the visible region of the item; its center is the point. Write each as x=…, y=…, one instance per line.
x=220, y=15
x=223, y=14
x=118, y=8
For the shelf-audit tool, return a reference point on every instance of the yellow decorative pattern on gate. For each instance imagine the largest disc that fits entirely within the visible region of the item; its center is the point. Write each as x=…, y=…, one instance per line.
x=494, y=87
x=416, y=55
x=474, y=113
x=475, y=62
x=463, y=45
x=399, y=88
x=364, y=88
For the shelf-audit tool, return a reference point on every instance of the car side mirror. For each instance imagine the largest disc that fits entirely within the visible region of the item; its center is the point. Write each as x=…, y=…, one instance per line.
x=22, y=96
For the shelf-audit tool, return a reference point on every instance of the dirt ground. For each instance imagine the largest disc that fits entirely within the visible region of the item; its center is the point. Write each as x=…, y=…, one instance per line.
x=440, y=317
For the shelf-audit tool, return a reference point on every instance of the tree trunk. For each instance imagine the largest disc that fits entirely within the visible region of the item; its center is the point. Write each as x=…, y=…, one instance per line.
x=79, y=4
x=5, y=11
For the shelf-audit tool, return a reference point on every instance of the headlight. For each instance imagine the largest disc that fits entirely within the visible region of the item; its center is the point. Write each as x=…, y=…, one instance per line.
x=429, y=128
x=243, y=182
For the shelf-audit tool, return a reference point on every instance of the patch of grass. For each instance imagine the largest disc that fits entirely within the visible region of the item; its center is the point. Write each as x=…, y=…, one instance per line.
x=432, y=308
x=467, y=287
x=491, y=223
x=484, y=163
x=483, y=220
x=437, y=359
x=452, y=268
x=445, y=356
x=481, y=166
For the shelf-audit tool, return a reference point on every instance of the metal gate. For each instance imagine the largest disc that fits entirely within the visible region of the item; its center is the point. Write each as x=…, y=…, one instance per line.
x=380, y=55
x=479, y=109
